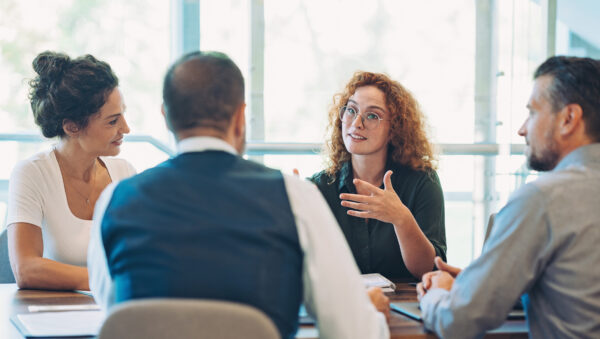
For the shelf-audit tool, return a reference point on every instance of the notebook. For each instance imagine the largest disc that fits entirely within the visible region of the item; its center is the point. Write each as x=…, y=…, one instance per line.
x=377, y=280
x=59, y=324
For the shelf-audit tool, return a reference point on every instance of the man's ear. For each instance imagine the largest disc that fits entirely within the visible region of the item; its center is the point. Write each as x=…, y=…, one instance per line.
x=571, y=120
x=240, y=120
x=163, y=111
x=70, y=128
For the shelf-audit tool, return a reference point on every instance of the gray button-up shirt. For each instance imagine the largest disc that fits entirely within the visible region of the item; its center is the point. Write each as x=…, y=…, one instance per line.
x=545, y=243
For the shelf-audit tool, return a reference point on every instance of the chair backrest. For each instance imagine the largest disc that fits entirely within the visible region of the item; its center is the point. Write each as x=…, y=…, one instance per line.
x=186, y=318
x=6, y=274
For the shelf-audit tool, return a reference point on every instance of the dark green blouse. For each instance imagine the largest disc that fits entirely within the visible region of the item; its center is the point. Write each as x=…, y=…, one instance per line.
x=374, y=244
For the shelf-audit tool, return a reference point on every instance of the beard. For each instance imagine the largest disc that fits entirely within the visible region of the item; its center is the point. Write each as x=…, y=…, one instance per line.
x=545, y=159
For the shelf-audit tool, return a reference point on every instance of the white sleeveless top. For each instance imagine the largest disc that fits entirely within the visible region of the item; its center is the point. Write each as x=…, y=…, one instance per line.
x=36, y=195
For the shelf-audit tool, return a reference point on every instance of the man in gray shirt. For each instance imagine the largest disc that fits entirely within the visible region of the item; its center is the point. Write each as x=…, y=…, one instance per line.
x=545, y=241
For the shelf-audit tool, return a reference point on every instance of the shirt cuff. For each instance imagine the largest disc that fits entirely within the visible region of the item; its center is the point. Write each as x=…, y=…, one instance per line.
x=429, y=303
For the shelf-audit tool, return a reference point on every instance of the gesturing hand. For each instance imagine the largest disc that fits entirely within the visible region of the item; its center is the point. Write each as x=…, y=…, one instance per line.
x=381, y=204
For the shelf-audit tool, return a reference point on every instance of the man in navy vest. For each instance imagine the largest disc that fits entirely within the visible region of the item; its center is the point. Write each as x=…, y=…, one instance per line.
x=208, y=224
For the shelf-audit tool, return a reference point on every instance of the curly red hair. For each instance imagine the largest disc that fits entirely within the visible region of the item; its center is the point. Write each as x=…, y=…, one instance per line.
x=409, y=145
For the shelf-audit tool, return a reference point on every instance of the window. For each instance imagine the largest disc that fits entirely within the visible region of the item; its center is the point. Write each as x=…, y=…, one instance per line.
x=133, y=37
x=469, y=63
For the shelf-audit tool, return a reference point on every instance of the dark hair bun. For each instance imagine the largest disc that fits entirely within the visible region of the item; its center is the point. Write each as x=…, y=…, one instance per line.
x=51, y=65
x=68, y=89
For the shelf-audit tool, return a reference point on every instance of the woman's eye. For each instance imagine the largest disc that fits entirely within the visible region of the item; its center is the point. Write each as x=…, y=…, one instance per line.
x=372, y=116
x=350, y=110
x=113, y=122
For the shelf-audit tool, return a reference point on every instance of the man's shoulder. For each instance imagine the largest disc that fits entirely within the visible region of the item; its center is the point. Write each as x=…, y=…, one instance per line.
x=150, y=176
x=177, y=169
x=549, y=187
x=557, y=182
x=250, y=165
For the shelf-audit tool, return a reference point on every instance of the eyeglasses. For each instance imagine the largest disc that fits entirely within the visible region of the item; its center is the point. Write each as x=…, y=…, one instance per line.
x=370, y=120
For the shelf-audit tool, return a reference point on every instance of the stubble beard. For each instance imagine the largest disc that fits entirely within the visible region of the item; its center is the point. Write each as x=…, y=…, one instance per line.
x=547, y=158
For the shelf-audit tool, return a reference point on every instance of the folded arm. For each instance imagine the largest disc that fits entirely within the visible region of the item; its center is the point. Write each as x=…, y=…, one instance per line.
x=32, y=270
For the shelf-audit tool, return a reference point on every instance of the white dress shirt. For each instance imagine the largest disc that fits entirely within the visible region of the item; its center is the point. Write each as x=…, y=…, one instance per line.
x=333, y=291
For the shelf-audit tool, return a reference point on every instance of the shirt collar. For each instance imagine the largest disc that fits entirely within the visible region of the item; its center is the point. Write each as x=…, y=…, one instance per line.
x=201, y=144
x=346, y=176
x=584, y=155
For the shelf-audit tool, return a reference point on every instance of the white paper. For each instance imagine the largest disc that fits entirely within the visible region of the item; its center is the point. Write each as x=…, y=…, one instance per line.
x=77, y=323
x=376, y=280
x=59, y=308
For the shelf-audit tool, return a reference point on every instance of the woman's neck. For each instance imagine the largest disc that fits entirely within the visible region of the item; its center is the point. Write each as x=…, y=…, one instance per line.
x=369, y=168
x=74, y=161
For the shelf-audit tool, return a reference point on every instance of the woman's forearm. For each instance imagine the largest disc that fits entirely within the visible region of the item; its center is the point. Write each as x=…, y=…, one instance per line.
x=42, y=273
x=417, y=251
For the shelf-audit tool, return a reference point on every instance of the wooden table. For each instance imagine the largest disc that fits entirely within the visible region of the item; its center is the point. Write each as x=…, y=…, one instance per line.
x=14, y=301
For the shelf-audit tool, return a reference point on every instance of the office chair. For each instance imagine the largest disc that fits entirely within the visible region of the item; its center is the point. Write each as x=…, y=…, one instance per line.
x=186, y=318
x=6, y=274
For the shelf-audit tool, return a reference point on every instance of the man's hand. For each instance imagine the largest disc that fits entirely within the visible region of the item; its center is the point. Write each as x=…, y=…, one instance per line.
x=427, y=279
x=380, y=301
x=437, y=279
x=442, y=266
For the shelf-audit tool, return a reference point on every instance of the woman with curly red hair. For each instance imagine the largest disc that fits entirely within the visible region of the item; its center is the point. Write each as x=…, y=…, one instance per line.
x=381, y=182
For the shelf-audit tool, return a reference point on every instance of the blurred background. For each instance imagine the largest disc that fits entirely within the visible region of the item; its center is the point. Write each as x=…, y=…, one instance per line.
x=468, y=62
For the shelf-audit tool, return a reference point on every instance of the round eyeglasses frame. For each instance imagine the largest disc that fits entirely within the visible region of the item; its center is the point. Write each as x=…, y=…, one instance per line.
x=368, y=123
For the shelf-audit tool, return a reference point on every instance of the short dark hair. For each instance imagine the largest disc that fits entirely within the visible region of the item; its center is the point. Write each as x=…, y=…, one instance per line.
x=202, y=89
x=575, y=80
x=68, y=89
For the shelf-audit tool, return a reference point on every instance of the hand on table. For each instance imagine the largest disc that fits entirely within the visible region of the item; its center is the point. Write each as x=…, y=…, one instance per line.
x=381, y=204
x=444, y=278
x=442, y=266
x=380, y=301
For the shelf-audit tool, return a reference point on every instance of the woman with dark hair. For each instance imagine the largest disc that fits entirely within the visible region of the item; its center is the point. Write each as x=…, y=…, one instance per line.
x=380, y=182
x=52, y=194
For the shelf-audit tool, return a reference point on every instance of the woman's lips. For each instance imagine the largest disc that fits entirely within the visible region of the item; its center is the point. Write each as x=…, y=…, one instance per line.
x=356, y=137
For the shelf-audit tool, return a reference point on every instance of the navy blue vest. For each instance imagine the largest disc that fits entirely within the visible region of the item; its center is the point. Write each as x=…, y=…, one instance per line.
x=207, y=225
